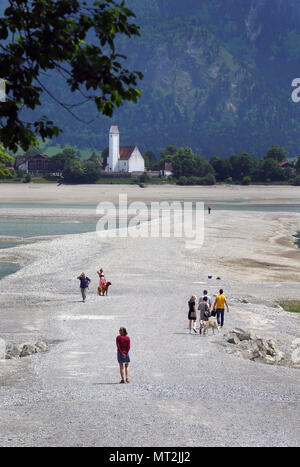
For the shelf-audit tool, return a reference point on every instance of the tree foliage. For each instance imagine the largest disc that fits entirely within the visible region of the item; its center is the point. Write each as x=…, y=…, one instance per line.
x=39, y=36
x=5, y=159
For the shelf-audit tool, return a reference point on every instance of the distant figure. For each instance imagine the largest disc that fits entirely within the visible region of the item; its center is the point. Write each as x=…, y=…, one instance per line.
x=209, y=209
x=192, y=315
x=123, y=346
x=204, y=312
x=84, y=283
x=219, y=305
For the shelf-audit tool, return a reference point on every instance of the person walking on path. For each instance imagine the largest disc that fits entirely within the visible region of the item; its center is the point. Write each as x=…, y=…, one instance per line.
x=209, y=209
x=192, y=315
x=123, y=347
x=219, y=306
x=208, y=299
x=84, y=283
x=204, y=311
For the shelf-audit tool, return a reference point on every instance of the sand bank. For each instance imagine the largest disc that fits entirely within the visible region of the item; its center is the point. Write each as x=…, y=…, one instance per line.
x=93, y=194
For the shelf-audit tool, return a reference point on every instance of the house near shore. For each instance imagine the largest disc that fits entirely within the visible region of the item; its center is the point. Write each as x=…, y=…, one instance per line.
x=38, y=164
x=123, y=158
x=167, y=170
x=289, y=165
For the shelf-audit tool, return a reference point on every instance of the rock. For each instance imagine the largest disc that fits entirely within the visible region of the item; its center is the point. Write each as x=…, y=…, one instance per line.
x=12, y=351
x=24, y=350
x=245, y=345
x=229, y=334
x=244, y=335
x=41, y=346
x=279, y=356
x=257, y=355
x=28, y=349
x=270, y=359
x=251, y=347
x=233, y=340
x=260, y=344
x=271, y=343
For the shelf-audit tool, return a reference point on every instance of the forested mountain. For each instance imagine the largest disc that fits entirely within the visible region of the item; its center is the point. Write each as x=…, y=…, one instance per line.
x=217, y=78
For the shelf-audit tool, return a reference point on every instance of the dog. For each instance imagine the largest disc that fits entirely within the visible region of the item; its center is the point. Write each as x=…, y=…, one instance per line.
x=103, y=289
x=205, y=325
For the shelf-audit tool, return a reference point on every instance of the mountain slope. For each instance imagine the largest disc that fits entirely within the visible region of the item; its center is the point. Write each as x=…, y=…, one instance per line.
x=217, y=78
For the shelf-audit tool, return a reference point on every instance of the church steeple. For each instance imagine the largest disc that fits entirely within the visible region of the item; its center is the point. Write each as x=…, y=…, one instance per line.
x=114, y=148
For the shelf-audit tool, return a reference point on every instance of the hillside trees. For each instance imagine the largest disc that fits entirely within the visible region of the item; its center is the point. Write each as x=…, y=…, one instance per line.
x=151, y=162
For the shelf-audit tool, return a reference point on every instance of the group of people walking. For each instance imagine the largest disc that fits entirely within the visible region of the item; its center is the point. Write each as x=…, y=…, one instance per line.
x=85, y=282
x=206, y=310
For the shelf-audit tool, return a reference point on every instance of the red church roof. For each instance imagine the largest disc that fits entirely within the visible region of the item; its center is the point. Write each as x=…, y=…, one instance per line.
x=125, y=152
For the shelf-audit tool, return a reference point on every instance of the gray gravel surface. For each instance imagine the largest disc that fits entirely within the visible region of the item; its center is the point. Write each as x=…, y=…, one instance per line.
x=185, y=390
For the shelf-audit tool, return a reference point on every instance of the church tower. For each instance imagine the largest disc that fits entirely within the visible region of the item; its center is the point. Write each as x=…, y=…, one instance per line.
x=114, y=149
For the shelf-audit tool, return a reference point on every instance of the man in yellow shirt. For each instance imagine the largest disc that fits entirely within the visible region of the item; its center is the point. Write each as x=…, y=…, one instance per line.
x=219, y=306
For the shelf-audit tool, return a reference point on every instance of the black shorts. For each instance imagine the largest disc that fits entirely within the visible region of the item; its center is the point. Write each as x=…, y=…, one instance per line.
x=191, y=314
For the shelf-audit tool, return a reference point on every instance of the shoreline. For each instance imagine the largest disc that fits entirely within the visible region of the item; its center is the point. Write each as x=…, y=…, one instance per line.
x=86, y=194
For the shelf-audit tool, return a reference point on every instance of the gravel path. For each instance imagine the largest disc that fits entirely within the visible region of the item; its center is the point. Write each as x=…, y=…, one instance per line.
x=186, y=390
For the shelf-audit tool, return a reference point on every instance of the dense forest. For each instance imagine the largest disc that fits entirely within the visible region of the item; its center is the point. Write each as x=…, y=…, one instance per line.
x=217, y=78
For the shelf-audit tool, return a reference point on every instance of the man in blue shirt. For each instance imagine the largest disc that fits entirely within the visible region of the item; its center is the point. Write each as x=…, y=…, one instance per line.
x=84, y=283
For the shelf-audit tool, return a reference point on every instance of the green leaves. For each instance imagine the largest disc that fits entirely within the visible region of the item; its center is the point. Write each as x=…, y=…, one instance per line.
x=42, y=35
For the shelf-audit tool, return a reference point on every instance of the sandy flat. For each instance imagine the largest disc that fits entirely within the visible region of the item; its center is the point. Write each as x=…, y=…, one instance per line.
x=185, y=390
x=93, y=194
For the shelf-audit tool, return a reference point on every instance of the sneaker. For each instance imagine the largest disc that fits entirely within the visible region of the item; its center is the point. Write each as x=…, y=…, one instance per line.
x=122, y=381
x=127, y=380
x=195, y=330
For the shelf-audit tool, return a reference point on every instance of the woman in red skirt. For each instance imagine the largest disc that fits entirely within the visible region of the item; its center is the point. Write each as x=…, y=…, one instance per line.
x=123, y=346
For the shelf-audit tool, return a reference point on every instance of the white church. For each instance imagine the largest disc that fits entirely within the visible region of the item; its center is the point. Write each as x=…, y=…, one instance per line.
x=123, y=158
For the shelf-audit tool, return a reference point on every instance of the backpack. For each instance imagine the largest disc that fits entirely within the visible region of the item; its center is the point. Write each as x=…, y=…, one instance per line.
x=207, y=313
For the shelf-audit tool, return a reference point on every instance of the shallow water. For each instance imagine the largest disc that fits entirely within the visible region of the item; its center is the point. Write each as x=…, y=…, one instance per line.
x=8, y=268
x=291, y=207
x=35, y=228
x=26, y=228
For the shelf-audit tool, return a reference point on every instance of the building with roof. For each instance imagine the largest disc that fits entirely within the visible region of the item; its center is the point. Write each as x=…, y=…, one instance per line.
x=123, y=158
x=167, y=170
x=38, y=164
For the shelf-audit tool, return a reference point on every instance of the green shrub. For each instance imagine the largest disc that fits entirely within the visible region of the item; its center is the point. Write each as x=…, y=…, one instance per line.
x=293, y=306
x=246, y=180
x=228, y=180
x=296, y=181
x=182, y=180
x=144, y=177
x=209, y=179
x=27, y=178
